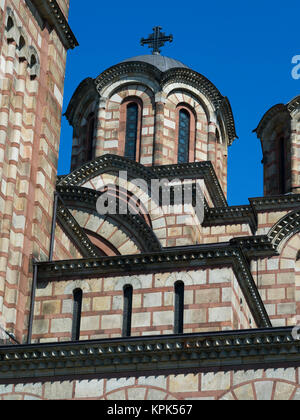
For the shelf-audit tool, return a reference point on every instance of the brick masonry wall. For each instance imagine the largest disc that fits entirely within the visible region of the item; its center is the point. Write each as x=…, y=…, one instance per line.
x=261, y=384
x=225, y=232
x=278, y=283
x=212, y=303
x=64, y=249
x=30, y=112
x=277, y=277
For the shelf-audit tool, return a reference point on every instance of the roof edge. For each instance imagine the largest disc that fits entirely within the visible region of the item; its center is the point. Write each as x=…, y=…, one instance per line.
x=51, y=12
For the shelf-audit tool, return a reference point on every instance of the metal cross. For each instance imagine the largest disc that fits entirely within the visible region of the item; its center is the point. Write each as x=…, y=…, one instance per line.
x=156, y=40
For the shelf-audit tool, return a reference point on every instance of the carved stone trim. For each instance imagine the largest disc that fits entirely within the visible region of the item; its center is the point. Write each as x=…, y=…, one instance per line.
x=76, y=234
x=256, y=246
x=269, y=348
x=233, y=215
x=267, y=245
x=86, y=88
x=51, y=12
x=200, y=82
x=113, y=164
x=288, y=225
x=134, y=224
x=281, y=202
x=113, y=74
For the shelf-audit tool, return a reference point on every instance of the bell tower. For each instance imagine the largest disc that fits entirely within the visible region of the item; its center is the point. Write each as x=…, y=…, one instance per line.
x=35, y=37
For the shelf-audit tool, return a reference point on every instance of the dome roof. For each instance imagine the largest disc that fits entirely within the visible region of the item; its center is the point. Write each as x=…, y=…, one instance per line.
x=159, y=61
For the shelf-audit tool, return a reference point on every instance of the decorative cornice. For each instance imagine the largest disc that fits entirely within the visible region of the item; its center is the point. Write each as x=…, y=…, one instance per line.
x=267, y=245
x=194, y=170
x=205, y=86
x=256, y=246
x=294, y=104
x=196, y=80
x=269, y=115
x=51, y=12
x=233, y=215
x=106, y=164
x=193, y=257
x=285, y=227
x=76, y=234
x=174, y=75
x=114, y=164
x=225, y=350
x=114, y=73
x=86, y=89
x=276, y=203
x=134, y=224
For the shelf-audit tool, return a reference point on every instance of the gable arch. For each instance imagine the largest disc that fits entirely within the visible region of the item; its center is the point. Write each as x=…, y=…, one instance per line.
x=137, y=80
x=139, y=73
x=192, y=95
x=131, y=89
x=85, y=93
x=284, y=229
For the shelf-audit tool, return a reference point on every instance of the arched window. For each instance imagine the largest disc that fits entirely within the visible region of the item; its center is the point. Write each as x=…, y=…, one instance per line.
x=179, y=307
x=184, y=131
x=10, y=24
x=132, y=116
x=34, y=63
x=77, y=306
x=127, y=310
x=11, y=30
x=90, y=128
x=22, y=43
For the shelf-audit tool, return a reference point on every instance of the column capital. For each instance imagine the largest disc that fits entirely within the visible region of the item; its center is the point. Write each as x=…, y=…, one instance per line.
x=103, y=102
x=160, y=97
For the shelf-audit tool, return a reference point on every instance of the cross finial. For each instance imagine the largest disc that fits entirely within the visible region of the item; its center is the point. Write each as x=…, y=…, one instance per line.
x=156, y=40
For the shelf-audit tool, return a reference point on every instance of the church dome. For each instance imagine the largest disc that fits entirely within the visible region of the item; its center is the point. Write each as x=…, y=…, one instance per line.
x=159, y=61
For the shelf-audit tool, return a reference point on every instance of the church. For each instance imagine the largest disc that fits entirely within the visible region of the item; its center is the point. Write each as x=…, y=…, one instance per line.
x=131, y=278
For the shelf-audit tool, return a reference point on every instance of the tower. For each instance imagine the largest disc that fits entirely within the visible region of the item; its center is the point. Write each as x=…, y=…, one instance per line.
x=33, y=47
x=279, y=134
x=163, y=114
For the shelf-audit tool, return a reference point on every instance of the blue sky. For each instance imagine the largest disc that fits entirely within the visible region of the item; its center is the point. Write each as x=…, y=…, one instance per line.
x=244, y=47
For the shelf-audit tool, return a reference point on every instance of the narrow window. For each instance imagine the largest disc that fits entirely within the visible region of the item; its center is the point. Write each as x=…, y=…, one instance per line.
x=90, y=137
x=131, y=130
x=179, y=307
x=184, y=136
x=127, y=311
x=10, y=24
x=77, y=305
x=282, y=165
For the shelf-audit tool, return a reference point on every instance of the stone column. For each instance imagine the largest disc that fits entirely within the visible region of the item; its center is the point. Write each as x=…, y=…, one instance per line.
x=100, y=130
x=160, y=101
x=294, y=186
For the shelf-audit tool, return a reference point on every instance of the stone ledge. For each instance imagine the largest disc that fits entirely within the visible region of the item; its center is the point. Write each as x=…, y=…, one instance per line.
x=208, y=351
